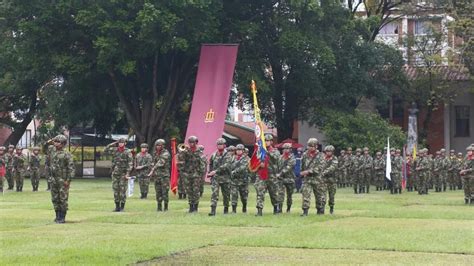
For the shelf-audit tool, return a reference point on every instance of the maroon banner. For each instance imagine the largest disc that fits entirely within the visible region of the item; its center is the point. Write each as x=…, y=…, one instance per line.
x=211, y=94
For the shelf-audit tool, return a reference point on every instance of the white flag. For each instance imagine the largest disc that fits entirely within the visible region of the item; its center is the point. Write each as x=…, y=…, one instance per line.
x=388, y=162
x=131, y=186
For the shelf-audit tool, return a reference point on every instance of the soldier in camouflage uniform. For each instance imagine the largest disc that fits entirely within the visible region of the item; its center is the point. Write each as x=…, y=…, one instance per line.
x=444, y=169
x=379, y=168
x=220, y=170
x=203, y=178
x=341, y=171
x=287, y=174
x=366, y=171
x=143, y=165
x=396, y=174
x=2, y=167
x=47, y=165
x=122, y=165
x=423, y=168
x=436, y=177
x=329, y=169
x=9, y=167
x=20, y=165
x=348, y=160
x=356, y=169
x=63, y=170
x=240, y=179
x=467, y=174
x=459, y=167
x=313, y=183
x=191, y=169
x=34, y=168
x=160, y=173
x=410, y=173
x=451, y=170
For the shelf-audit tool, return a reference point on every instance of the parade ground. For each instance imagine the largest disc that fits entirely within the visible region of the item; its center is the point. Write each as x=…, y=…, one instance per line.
x=366, y=228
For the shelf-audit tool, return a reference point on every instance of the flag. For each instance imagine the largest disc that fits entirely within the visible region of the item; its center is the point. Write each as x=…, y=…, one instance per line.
x=174, y=167
x=404, y=168
x=260, y=149
x=414, y=153
x=131, y=186
x=388, y=162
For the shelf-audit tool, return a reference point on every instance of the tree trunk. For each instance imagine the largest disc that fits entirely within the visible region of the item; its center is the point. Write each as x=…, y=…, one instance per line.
x=20, y=129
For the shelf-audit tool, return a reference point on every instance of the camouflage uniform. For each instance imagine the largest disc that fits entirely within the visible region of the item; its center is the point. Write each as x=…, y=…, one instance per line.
x=329, y=168
x=423, y=168
x=145, y=160
x=313, y=182
x=341, y=173
x=366, y=171
x=240, y=180
x=261, y=186
x=356, y=169
x=161, y=172
x=122, y=164
x=9, y=167
x=19, y=169
x=47, y=165
x=63, y=170
x=410, y=174
x=220, y=162
x=396, y=174
x=437, y=175
x=467, y=174
x=191, y=170
x=34, y=167
x=458, y=166
x=452, y=161
x=379, y=168
x=348, y=167
x=287, y=174
x=443, y=171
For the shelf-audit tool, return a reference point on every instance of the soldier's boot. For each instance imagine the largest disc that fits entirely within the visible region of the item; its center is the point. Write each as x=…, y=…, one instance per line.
x=280, y=208
x=117, y=207
x=355, y=190
x=392, y=191
x=200, y=193
x=275, y=209
x=322, y=210
x=466, y=201
x=244, y=207
x=165, y=207
x=368, y=188
x=63, y=217
x=142, y=196
x=234, y=208
x=57, y=216
x=331, y=209
x=159, y=207
x=259, y=212
x=49, y=187
x=363, y=189
x=196, y=206
x=399, y=191
x=145, y=195
x=360, y=190
x=288, y=208
x=213, y=211
x=226, y=209
x=444, y=187
x=184, y=195
x=191, y=208
x=122, y=206
x=305, y=212
x=180, y=195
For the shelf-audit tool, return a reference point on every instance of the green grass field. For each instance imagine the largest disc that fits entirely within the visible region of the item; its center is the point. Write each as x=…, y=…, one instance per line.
x=376, y=228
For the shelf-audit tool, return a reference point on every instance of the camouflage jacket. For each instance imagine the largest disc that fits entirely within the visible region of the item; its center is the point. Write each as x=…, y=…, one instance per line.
x=122, y=162
x=366, y=163
x=190, y=164
x=313, y=165
x=357, y=164
x=62, y=166
x=348, y=163
x=287, y=167
x=9, y=161
x=329, y=168
x=379, y=166
x=20, y=162
x=397, y=164
x=162, y=164
x=143, y=160
x=34, y=162
x=468, y=166
x=221, y=162
x=274, y=158
x=240, y=169
x=424, y=166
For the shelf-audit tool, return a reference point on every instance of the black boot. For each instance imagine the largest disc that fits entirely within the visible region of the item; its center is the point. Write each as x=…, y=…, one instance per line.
x=226, y=210
x=57, y=216
x=444, y=188
x=275, y=209
x=355, y=190
x=49, y=187
x=145, y=195
x=363, y=189
x=142, y=195
x=62, y=216
x=213, y=211
x=280, y=208
x=196, y=206
x=244, y=207
x=399, y=191
x=368, y=188
x=259, y=212
x=360, y=190
x=184, y=195
x=117, y=207
x=166, y=206
x=322, y=211
x=466, y=201
x=159, y=207
x=234, y=208
x=391, y=191
x=122, y=206
x=331, y=210
x=288, y=208
x=305, y=212
x=191, y=208
x=180, y=195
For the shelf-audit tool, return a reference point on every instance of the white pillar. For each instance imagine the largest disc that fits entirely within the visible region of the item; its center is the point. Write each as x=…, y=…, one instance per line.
x=447, y=126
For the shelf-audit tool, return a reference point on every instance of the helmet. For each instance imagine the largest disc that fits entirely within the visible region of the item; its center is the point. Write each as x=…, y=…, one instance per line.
x=143, y=145
x=240, y=147
x=398, y=151
x=438, y=152
x=329, y=148
x=392, y=149
x=366, y=149
x=200, y=147
x=470, y=148
x=11, y=146
x=268, y=137
x=286, y=146
x=231, y=148
x=358, y=150
x=36, y=148
x=443, y=150
x=2, y=148
x=312, y=142
x=349, y=148
x=452, y=151
x=378, y=153
x=18, y=147
x=460, y=154
x=160, y=142
x=122, y=140
x=60, y=138
x=193, y=139
x=220, y=141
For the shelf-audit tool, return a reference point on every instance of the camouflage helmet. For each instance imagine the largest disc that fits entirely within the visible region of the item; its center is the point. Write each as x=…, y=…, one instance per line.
x=398, y=151
x=329, y=148
x=349, y=148
x=160, y=142
x=122, y=140
x=144, y=145
x=452, y=151
x=240, y=147
x=443, y=150
x=231, y=148
x=193, y=139
x=18, y=147
x=392, y=149
x=36, y=148
x=60, y=138
x=2, y=148
x=358, y=150
x=220, y=141
x=200, y=148
x=312, y=142
x=378, y=153
x=286, y=146
x=366, y=149
x=438, y=152
x=268, y=137
x=11, y=146
x=470, y=148
x=460, y=154
x=424, y=150
x=246, y=150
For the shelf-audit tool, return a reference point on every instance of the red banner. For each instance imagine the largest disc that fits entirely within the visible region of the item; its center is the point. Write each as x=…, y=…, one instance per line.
x=211, y=94
x=174, y=167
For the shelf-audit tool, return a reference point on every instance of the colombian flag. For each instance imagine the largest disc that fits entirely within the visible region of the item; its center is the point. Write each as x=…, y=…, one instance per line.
x=260, y=149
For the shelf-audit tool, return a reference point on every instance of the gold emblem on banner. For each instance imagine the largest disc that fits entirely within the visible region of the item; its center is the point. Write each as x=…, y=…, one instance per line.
x=209, y=116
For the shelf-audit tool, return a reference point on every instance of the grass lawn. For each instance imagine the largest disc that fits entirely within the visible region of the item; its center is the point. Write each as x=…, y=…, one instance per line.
x=376, y=228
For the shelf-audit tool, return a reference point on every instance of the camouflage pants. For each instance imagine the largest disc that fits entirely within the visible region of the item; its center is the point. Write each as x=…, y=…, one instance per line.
x=19, y=178
x=379, y=179
x=468, y=184
x=144, y=182
x=59, y=195
x=2, y=180
x=396, y=180
x=452, y=182
x=241, y=189
x=261, y=187
x=444, y=179
x=192, y=185
x=356, y=180
x=422, y=183
x=410, y=181
x=437, y=180
x=215, y=187
x=181, y=186
x=366, y=178
x=201, y=185
x=289, y=188
x=319, y=191
x=162, y=187
x=10, y=179
x=331, y=186
x=35, y=177
x=119, y=185
x=276, y=190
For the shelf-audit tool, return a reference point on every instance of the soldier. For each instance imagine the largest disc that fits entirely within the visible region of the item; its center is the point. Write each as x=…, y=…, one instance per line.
x=240, y=179
x=379, y=167
x=122, y=164
x=181, y=188
x=9, y=167
x=366, y=171
x=287, y=174
x=63, y=170
x=396, y=174
x=298, y=181
x=341, y=182
x=312, y=181
x=467, y=174
x=410, y=166
x=203, y=178
x=2, y=167
x=452, y=170
x=191, y=171
x=143, y=165
x=34, y=168
x=19, y=168
x=349, y=167
x=356, y=168
x=47, y=165
x=460, y=161
x=231, y=151
x=329, y=168
x=436, y=177
x=220, y=171
x=423, y=167
x=160, y=173
x=444, y=169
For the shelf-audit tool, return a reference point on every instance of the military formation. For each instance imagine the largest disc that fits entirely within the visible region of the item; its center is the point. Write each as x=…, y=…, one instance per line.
x=321, y=173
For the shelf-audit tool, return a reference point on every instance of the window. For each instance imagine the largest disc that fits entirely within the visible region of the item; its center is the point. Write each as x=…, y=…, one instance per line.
x=462, y=114
x=422, y=27
x=389, y=29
